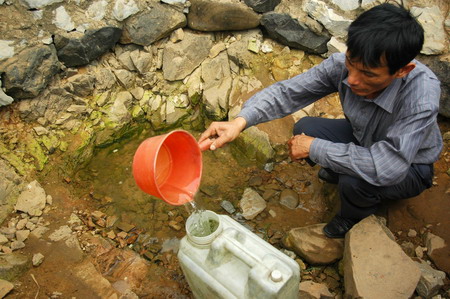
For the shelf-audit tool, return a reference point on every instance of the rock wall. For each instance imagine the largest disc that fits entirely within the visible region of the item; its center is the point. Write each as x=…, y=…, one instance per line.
x=80, y=74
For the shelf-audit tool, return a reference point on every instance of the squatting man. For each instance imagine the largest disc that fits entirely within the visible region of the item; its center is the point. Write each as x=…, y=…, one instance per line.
x=385, y=147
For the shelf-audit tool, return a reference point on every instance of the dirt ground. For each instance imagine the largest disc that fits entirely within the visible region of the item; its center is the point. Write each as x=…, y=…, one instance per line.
x=107, y=185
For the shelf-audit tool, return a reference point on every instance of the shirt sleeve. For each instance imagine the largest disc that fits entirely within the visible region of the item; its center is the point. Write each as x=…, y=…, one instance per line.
x=286, y=97
x=386, y=162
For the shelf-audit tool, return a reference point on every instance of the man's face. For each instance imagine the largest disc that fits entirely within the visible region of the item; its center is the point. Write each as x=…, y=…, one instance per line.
x=368, y=82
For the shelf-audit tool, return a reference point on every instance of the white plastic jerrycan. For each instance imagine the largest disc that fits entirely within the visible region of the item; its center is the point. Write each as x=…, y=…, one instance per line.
x=232, y=262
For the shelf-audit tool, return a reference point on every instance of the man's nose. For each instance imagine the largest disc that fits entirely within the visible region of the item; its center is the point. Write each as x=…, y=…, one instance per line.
x=353, y=78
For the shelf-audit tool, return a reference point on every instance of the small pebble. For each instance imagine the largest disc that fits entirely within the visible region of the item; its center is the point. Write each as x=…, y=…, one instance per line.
x=412, y=233
x=38, y=258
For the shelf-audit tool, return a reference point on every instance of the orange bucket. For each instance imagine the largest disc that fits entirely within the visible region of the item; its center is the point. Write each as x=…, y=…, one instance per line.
x=169, y=167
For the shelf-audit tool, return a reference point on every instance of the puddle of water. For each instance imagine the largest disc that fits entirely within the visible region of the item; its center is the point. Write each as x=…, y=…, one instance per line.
x=109, y=175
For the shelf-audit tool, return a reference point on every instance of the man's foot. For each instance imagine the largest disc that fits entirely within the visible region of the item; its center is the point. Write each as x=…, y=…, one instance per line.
x=338, y=227
x=327, y=177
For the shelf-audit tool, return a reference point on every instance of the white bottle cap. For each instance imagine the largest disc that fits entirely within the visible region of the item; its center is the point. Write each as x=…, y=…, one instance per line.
x=276, y=276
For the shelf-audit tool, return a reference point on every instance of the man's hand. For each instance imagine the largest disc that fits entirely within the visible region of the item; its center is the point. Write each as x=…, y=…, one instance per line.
x=299, y=146
x=220, y=133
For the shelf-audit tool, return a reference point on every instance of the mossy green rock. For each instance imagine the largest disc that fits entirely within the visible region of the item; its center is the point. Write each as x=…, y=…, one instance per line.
x=34, y=149
x=21, y=167
x=13, y=265
x=253, y=146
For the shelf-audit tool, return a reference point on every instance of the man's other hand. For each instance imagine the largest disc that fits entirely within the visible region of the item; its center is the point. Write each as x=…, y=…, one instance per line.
x=220, y=133
x=299, y=146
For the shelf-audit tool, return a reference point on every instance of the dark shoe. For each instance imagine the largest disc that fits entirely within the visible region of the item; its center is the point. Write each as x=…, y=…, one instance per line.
x=338, y=227
x=327, y=177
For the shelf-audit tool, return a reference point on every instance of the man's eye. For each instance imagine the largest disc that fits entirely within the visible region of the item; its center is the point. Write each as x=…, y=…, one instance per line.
x=370, y=75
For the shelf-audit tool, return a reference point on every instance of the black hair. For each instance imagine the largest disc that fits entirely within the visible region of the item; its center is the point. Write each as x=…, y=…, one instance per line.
x=385, y=30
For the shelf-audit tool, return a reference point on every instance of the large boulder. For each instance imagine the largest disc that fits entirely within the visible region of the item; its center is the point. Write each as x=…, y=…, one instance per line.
x=313, y=246
x=93, y=44
x=151, y=25
x=219, y=16
x=375, y=266
x=29, y=72
x=290, y=32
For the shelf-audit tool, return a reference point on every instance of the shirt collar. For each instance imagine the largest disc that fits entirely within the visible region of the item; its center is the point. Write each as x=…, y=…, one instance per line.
x=386, y=100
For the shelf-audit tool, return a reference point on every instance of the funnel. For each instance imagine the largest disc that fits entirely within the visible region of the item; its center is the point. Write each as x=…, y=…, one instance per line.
x=169, y=167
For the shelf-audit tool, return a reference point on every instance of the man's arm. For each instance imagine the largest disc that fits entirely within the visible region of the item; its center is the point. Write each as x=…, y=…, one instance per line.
x=385, y=162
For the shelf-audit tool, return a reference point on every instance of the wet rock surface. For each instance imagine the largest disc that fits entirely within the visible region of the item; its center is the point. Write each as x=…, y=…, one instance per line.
x=74, y=130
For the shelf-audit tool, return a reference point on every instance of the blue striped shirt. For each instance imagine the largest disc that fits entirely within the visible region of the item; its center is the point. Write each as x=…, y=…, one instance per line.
x=394, y=130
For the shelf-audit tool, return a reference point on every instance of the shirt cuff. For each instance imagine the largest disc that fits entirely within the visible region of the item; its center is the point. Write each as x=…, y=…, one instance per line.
x=318, y=151
x=249, y=118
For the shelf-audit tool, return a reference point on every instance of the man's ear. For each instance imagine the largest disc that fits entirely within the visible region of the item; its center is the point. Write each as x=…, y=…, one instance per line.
x=405, y=70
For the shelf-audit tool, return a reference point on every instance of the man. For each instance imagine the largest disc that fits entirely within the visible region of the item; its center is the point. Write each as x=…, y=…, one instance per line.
x=386, y=146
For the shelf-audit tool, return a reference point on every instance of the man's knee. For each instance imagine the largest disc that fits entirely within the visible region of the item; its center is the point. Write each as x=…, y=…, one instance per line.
x=305, y=125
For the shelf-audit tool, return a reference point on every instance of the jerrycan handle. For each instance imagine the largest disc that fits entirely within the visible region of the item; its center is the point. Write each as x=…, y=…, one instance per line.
x=231, y=240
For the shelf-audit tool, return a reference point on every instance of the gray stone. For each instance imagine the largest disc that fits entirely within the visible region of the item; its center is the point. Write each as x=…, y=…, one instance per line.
x=37, y=260
x=119, y=111
x=431, y=280
x=3, y=239
x=431, y=19
x=6, y=50
x=141, y=60
x=62, y=19
x=262, y=6
x=217, y=79
x=16, y=245
x=13, y=265
x=105, y=79
x=4, y=98
x=32, y=200
x=5, y=287
x=237, y=51
x=62, y=233
x=124, y=8
x=374, y=265
x=8, y=188
x=81, y=51
x=290, y=32
x=313, y=246
x=82, y=85
x=39, y=231
x=289, y=198
x=22, y=235
x=251, y=204
x=126, y=78
x=151, y=25
x=334, y=23
x=220, y=16
x=180, y=59
x=28, y=73
x=347, y=4
x=226, y=205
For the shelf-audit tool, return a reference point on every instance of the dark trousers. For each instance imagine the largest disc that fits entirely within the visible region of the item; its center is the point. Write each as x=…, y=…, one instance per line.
x=360, y=199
